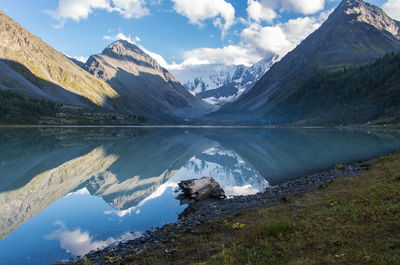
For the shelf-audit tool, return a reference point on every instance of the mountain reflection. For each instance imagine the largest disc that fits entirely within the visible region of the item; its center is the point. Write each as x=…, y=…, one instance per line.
x=144, y=163
x=129, y=167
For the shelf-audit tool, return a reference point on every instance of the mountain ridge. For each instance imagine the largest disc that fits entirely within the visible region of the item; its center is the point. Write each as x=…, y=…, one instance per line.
x=137, y=86
x=144, y=86
x=341, y=40
x=31, y=67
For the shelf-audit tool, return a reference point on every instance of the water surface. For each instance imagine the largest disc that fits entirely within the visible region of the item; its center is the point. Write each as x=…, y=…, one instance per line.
x=66, y=191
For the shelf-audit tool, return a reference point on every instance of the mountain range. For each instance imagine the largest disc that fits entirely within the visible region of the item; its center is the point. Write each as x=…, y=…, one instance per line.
x=337, y=75
x=142, y=84
x=122, y=79
x=31, y=67
x=218, y=84
x=355, y=33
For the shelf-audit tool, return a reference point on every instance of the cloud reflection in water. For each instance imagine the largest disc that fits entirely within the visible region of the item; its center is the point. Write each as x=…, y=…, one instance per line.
x=78, y=242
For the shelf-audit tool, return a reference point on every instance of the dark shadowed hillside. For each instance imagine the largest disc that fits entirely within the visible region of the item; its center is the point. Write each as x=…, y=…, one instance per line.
x=346, y=95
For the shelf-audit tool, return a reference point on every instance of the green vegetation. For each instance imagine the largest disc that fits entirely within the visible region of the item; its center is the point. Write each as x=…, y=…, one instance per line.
x=18, y=109
x=351, y=221
x=340, y=167
x=346, y=95
x=86, y=261
x=37, y=80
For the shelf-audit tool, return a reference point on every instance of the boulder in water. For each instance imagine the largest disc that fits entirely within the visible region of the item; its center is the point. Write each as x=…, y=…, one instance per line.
x=200, y=189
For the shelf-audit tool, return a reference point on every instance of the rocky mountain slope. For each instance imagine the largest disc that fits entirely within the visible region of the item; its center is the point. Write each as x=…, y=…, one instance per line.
x=219, y=84
x=31, y=67
x=356, y=32
x=137, y=85
x=142, y=84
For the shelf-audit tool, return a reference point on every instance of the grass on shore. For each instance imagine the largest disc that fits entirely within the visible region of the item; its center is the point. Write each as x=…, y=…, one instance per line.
x=351, y=221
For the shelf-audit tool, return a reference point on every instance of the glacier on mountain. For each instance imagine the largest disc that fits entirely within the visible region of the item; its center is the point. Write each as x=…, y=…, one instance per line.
x=219, y=84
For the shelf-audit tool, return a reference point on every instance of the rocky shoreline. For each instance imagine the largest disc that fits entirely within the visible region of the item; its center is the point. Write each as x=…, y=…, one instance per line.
x=202, y=212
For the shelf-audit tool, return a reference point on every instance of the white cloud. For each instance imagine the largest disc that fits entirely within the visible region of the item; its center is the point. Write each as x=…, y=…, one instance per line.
x=271, y=39
x=131, y=8
x=257, y=42
x=228, y=55
x=82, y=59
x=259, y=13
x=298, y=29
x=76, y=9
x=120, y=36
x=392, y=8
x=305, y=7
x=81, y=9
x=199, y=10
x=155, y=56
x=282, y=37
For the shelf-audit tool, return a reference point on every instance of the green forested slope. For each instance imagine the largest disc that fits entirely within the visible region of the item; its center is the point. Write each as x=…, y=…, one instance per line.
x=346, y=94
x=16, y=108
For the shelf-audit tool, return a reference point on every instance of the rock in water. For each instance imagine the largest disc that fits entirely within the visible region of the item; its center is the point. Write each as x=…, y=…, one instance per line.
x=200, y=189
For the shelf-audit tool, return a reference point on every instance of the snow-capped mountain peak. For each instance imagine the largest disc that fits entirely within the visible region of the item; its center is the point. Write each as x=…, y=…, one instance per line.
x=203, y=77
x=217, y=83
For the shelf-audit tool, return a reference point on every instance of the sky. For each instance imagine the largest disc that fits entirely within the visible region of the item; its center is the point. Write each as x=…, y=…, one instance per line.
x=178, y=32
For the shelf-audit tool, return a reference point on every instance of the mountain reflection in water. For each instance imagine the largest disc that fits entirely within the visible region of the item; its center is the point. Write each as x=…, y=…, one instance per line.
x=81, y=189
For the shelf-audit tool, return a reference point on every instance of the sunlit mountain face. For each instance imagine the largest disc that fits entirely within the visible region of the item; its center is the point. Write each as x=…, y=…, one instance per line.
x=64, y=192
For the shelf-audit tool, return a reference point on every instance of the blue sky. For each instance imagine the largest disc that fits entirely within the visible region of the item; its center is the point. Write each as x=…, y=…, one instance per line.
x=178, y=31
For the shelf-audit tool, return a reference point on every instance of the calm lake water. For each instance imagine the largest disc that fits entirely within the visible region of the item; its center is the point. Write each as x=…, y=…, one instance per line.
x=66, y=191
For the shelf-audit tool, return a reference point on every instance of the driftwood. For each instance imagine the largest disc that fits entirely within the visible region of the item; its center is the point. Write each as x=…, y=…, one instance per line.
x=200, y=189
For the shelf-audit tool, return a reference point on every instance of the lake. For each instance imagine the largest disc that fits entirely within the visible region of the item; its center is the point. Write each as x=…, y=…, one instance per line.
x=67, y=191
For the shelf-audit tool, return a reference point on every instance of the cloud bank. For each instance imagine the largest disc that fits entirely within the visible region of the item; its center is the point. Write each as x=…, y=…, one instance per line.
x=81, y=9
x=392, y=8
x=257, y=40
x=199, y=10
